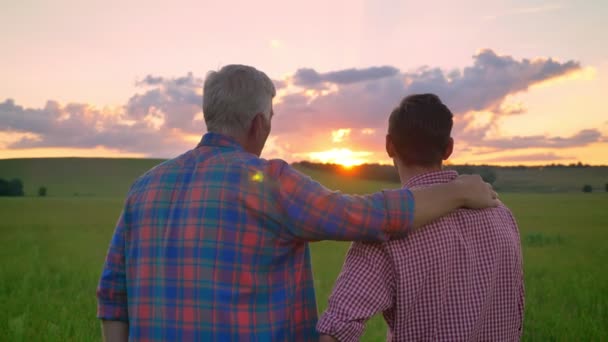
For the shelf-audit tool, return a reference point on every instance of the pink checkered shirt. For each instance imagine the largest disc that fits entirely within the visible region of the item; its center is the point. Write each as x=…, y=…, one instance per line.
x=458, y=279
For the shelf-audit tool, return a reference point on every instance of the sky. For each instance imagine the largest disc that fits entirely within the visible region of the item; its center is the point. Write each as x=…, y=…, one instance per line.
x=526, y=80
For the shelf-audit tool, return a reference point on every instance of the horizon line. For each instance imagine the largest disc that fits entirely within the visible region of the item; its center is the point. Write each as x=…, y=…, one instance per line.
x=336, y=164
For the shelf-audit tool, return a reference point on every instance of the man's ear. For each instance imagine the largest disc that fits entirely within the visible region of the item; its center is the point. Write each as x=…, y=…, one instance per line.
x=449, y=149
x=390, y=147
x=257, y=124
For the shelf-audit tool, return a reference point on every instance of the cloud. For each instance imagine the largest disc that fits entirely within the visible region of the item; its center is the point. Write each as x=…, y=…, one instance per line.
x=164, y=118
x=486, y=83
x=151, y=80
x=306, y=77
x=278, y=84
x=82, y=126
x=359, y=105
x=475, y=92
x=482, y=86
x=582, y=138
x=153, y=122
x=340, y=135
x=175, y=101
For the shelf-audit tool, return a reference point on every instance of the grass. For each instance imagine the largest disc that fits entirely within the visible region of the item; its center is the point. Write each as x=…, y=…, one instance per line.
x=539, y=179
x=50, y=257
x=564, y=238
x=52, y=250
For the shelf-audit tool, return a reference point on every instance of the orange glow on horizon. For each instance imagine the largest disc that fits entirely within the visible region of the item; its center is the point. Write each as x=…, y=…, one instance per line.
x=50, y=152
x=341, y=156
x=595, y=154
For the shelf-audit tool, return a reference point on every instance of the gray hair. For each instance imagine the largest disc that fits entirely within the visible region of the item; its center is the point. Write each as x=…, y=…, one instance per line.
x=233, y=96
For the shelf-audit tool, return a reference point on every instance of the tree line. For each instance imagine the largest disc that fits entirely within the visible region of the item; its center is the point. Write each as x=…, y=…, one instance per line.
x=388, y=173
x=14, y=188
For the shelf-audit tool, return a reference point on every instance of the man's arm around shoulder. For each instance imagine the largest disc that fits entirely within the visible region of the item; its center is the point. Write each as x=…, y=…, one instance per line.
x=316, y=213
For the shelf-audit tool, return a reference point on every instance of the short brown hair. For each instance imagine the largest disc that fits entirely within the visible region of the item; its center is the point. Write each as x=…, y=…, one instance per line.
x=420, y=129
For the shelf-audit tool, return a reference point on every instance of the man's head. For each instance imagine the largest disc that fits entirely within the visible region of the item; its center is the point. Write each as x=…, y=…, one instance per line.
x=237, y=101
x=419, y=132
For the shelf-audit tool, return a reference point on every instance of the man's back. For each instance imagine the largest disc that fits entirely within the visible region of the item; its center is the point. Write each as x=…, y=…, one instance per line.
x=458, y=279
x=211, y=246
x=205, y=258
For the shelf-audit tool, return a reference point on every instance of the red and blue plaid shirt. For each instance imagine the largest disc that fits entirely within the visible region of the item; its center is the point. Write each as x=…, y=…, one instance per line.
x=213, y=246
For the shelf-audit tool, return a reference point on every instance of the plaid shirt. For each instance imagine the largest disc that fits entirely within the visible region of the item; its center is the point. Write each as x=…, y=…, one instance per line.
x=212, y=246
x=458, y=279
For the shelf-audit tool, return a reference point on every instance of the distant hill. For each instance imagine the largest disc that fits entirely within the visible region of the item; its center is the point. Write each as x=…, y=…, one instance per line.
x=551, y=179
x=103, y=177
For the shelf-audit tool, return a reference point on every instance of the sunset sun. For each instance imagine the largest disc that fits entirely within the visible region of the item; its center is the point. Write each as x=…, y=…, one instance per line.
x=342, y=156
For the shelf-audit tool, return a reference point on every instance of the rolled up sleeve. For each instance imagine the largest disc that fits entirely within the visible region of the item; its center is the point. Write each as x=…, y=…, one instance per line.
x=112, y=291
x=364, y=288
x=343, y=331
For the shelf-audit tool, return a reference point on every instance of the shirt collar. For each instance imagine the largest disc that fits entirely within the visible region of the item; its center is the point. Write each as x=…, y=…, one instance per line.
x=219, y=140
x=430, y=178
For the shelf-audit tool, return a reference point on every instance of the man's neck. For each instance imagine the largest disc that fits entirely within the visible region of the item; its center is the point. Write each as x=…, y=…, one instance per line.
x=245, y=144
x=408, y=172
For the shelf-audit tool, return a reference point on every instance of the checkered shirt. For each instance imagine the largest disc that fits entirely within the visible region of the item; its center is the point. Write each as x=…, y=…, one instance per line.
x=458, y=279
x=213, y=246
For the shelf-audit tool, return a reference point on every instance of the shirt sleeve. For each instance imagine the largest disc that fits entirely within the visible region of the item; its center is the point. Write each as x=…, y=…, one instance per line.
x=112, y=291
x=364, y=288
x=522, y=291
x=316, y=213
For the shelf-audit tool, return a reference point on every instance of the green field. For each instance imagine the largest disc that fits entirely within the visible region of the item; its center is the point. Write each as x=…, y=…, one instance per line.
x=52, y=250
x=545, y=180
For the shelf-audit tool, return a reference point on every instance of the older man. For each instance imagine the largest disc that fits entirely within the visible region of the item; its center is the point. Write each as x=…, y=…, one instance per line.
x=212, y=245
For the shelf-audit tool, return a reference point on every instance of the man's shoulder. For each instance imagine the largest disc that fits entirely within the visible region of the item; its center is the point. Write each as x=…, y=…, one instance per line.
x=442, y=226
x=500, y=209
x=250, y=163
x=155, y=174
x=503, y=210
x=275, y=165
x=190, y=161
